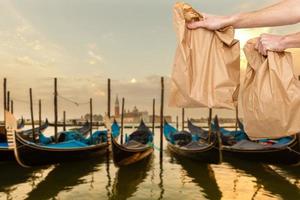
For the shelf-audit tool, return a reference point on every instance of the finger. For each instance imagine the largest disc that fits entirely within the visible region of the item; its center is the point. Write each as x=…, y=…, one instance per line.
x=191, y=25
x=263, y=48
x=256, y=45
x=259, y=48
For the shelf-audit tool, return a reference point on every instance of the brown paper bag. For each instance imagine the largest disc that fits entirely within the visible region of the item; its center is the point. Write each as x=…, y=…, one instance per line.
x=206, y=69
x=270, y=94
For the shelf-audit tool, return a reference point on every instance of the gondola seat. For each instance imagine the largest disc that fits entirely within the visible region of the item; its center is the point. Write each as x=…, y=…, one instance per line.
x=68, y=144
x=194, y=145
x=252, y=145
x=97, y=137
x=132, y=144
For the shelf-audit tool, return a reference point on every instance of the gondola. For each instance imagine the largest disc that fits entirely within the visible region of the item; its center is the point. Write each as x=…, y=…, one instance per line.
x=237, y=144
x=138, y=146
x=7, y=153
x=28, y=153
x=184, y=144
x=31, y=154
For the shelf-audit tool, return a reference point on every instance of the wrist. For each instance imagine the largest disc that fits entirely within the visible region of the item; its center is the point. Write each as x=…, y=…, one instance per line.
x=232, y=20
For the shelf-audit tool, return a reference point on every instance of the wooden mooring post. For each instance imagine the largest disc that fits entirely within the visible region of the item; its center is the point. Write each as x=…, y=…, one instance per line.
x=31, y=113
x=162, y=115
x=209, y=124
x=153, y=115
x=12, y=106
x=8, y=101
x=182, y=118
x=91, y=119
x=4, y=101
x=236, y=117
x=55, y=110
x=40, y=114
x=64, y=120
x=108, y=114
x=122, y=120
x=108, y=97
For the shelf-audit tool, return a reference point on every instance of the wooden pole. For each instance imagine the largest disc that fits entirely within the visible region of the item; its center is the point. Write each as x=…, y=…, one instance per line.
x=40, y=114
x=177, y=124
x=91, y=119
x=12, y=106
x=108, y=97
x=31, y=112
x=182, y=116
x=236, y=117
x=153, y=116
x=8, y=101
x=64, y=120
x=161, y=114
x=55, y=110
x=122, y=120
x=209, y=124
x=4, y=100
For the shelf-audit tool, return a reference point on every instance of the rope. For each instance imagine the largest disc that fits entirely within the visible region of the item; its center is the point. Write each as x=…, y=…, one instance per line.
x=292, y=150
x=72, y=101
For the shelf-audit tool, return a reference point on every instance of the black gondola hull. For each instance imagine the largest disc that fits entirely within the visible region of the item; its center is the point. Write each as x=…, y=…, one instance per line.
x=33, y=155
x=289, y=154
x=210, y=154
x=123, y=156
x=286, y=155
x=6, y=154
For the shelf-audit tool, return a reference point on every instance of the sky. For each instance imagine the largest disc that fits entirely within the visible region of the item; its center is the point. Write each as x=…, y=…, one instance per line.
x=83, y=43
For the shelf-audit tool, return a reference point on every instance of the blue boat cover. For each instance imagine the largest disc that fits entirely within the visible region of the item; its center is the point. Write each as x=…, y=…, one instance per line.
x=3, y=144
x=115, y=130
x=97, y=136
x=44, y=140
x=237, y=135
x=169, y=131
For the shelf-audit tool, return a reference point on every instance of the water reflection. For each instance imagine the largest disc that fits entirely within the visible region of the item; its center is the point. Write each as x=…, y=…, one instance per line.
x=64, y=177
x=268, y=179
x=12, y=174
x=108, y=185
x=201, y=174
x=161, y=180
x=128, y=178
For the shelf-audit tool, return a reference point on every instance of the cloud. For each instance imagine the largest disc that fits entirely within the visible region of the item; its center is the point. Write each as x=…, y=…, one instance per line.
x=95, y=56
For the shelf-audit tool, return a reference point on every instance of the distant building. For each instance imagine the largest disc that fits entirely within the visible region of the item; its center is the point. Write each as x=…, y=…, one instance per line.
x=133, y=116
x=168, y=118
x=96, y=118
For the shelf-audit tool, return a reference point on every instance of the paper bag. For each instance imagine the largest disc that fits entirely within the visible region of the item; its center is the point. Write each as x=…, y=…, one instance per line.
x=206, y=70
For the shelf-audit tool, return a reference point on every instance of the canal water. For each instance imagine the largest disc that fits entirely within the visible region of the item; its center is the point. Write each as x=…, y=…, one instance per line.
x=170, y=178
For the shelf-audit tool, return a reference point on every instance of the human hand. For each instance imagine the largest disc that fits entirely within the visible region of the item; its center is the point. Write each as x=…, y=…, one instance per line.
x=211, y=22
x=269, y=42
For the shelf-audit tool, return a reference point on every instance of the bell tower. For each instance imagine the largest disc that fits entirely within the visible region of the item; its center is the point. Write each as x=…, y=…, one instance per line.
x=117, y=107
